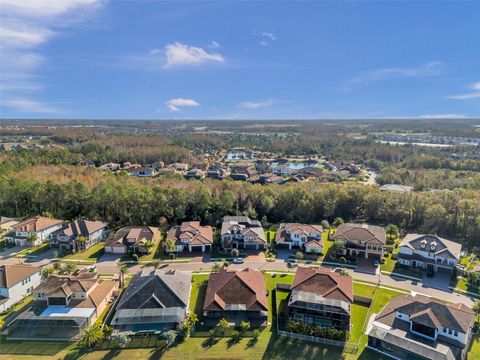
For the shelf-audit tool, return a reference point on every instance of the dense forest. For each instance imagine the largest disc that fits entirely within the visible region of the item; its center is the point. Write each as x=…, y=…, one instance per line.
x=447, y=200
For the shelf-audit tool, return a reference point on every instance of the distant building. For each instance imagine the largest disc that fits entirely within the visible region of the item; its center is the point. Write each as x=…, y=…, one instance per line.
x=110, y=166
x=419, y=327
x=33, y=231
x=397, y=188
x=195, y=174
x=142, y=172
x=154, y=301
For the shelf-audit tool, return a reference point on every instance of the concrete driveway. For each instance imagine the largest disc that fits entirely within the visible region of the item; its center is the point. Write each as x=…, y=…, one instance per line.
x=438, y=281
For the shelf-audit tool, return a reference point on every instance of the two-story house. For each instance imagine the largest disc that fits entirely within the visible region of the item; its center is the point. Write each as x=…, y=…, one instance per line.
x=321, y=297
x=236, y=296
x=33, y=231
x=79, y=235
x=241, y=232
x=63, y=307
x=133, y=238
x=281, y=169
x=17, y=281
x=362, y=240
x=190, y=236
x=419, y=327
x=429, y=252
x=299, y=235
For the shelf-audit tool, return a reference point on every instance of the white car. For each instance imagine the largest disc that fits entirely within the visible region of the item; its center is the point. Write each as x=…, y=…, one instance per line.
x=238, y=261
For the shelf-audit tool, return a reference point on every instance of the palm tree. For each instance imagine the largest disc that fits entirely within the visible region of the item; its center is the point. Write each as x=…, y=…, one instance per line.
x=32, y=237
x=192, y=319
x=148, y=246
x=92, y=334
x=80, y=243
x=170, y=244
x=223, y=324
x=245, y=325
x=123, y=271
x=392, y=231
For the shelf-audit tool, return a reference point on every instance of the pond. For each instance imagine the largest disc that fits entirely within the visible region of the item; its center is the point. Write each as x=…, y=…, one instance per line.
x=295, y=165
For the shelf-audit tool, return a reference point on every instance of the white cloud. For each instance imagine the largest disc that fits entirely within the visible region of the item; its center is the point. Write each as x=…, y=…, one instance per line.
x=214, y=45
x=178, y=54
x=442, y=116
x=470, y=95
x=266, y=36
x=176, y=104
x=28, y=105
x=429, y=69
x=25, y=25
x=257, y=104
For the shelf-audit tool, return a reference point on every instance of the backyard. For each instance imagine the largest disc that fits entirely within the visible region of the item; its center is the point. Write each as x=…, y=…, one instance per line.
x=91, y=254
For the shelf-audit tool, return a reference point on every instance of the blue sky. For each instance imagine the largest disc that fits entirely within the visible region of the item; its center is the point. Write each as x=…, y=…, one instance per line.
x=238, y=60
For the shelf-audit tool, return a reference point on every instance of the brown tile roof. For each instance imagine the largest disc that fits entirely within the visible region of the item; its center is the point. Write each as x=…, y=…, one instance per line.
x=326, y=283
x=199, y=235
x=313, y=243
x=361, y=232
x=13, y=274
x=232, y=287
x=36, y=224
x=139, y=234
x=430, y=312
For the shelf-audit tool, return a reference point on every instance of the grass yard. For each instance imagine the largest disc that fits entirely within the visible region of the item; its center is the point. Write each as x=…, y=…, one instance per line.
x=19, y=306
x=474, y=351
x=389, y=264
x=91, y=254
x=26, y=350
x=34, y=251
x=270, y=233
x=462, y=284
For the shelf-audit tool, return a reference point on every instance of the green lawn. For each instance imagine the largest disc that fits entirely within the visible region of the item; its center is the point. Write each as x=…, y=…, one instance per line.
x=25, y=301
x=389, y=264
x=34, y=251
x=462, y=284
x=272, y=235
x=91, y=254
x=474, y=351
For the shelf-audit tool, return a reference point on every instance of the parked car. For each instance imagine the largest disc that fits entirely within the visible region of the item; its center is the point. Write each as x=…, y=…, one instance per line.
x=238, y=261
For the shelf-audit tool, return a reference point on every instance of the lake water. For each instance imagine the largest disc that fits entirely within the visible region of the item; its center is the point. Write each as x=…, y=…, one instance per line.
x=296, y=165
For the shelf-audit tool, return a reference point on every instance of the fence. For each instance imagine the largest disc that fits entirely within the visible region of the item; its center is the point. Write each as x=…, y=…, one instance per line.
x=346, y=346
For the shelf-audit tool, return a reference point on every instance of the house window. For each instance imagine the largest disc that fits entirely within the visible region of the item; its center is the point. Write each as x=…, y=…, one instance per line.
x=450, y=331
x=455, y=333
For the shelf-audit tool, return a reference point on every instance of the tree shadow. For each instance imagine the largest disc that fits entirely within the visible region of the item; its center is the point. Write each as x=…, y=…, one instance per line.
x=252, y=342
x=209, y=342
x=233, y=341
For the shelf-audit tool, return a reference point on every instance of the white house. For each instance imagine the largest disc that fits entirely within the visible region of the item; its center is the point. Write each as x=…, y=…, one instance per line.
x=298, y=235
x=17, y=281
x=281, y=170
x=429, y=252
x=33, y=231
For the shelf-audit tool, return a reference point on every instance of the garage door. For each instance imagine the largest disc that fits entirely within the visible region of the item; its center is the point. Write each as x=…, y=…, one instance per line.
x=118, y=250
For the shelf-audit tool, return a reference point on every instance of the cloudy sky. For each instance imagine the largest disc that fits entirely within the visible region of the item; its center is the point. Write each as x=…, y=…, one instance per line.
x=238, y=59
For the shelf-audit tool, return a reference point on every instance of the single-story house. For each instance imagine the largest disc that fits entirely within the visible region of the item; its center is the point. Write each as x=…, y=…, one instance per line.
x=132, y=238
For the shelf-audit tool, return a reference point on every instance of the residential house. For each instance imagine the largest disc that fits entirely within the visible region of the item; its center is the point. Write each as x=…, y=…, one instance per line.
x=242, y=233
x=63, y=307
x=263, y=167
x=236, y=295
x=314, y=247
x=242, y=172
x=310, y=172
x=298, y=235
x=181, y=167
x=79, y=235
x=190, y=236
x=132, y=238
x=321, y=297
x=154, y=300
x=419, y=327
x=110, y=166
x=142, y=172
x=396, y=188
x=362, y=240
x=281, y=170
x=195, y=174
x=16, y=282
x=6, y=224
x=269, y=179
x=429, y=252
x=33, y=231
x=343, y=166
x=130, y=166
x=216, y=173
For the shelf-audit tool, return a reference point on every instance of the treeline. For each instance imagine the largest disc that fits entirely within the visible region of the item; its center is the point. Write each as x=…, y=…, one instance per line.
x=455, y=215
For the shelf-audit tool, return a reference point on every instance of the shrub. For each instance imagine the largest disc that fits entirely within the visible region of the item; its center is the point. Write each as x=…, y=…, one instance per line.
x=256, y=333
x=172, y=256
